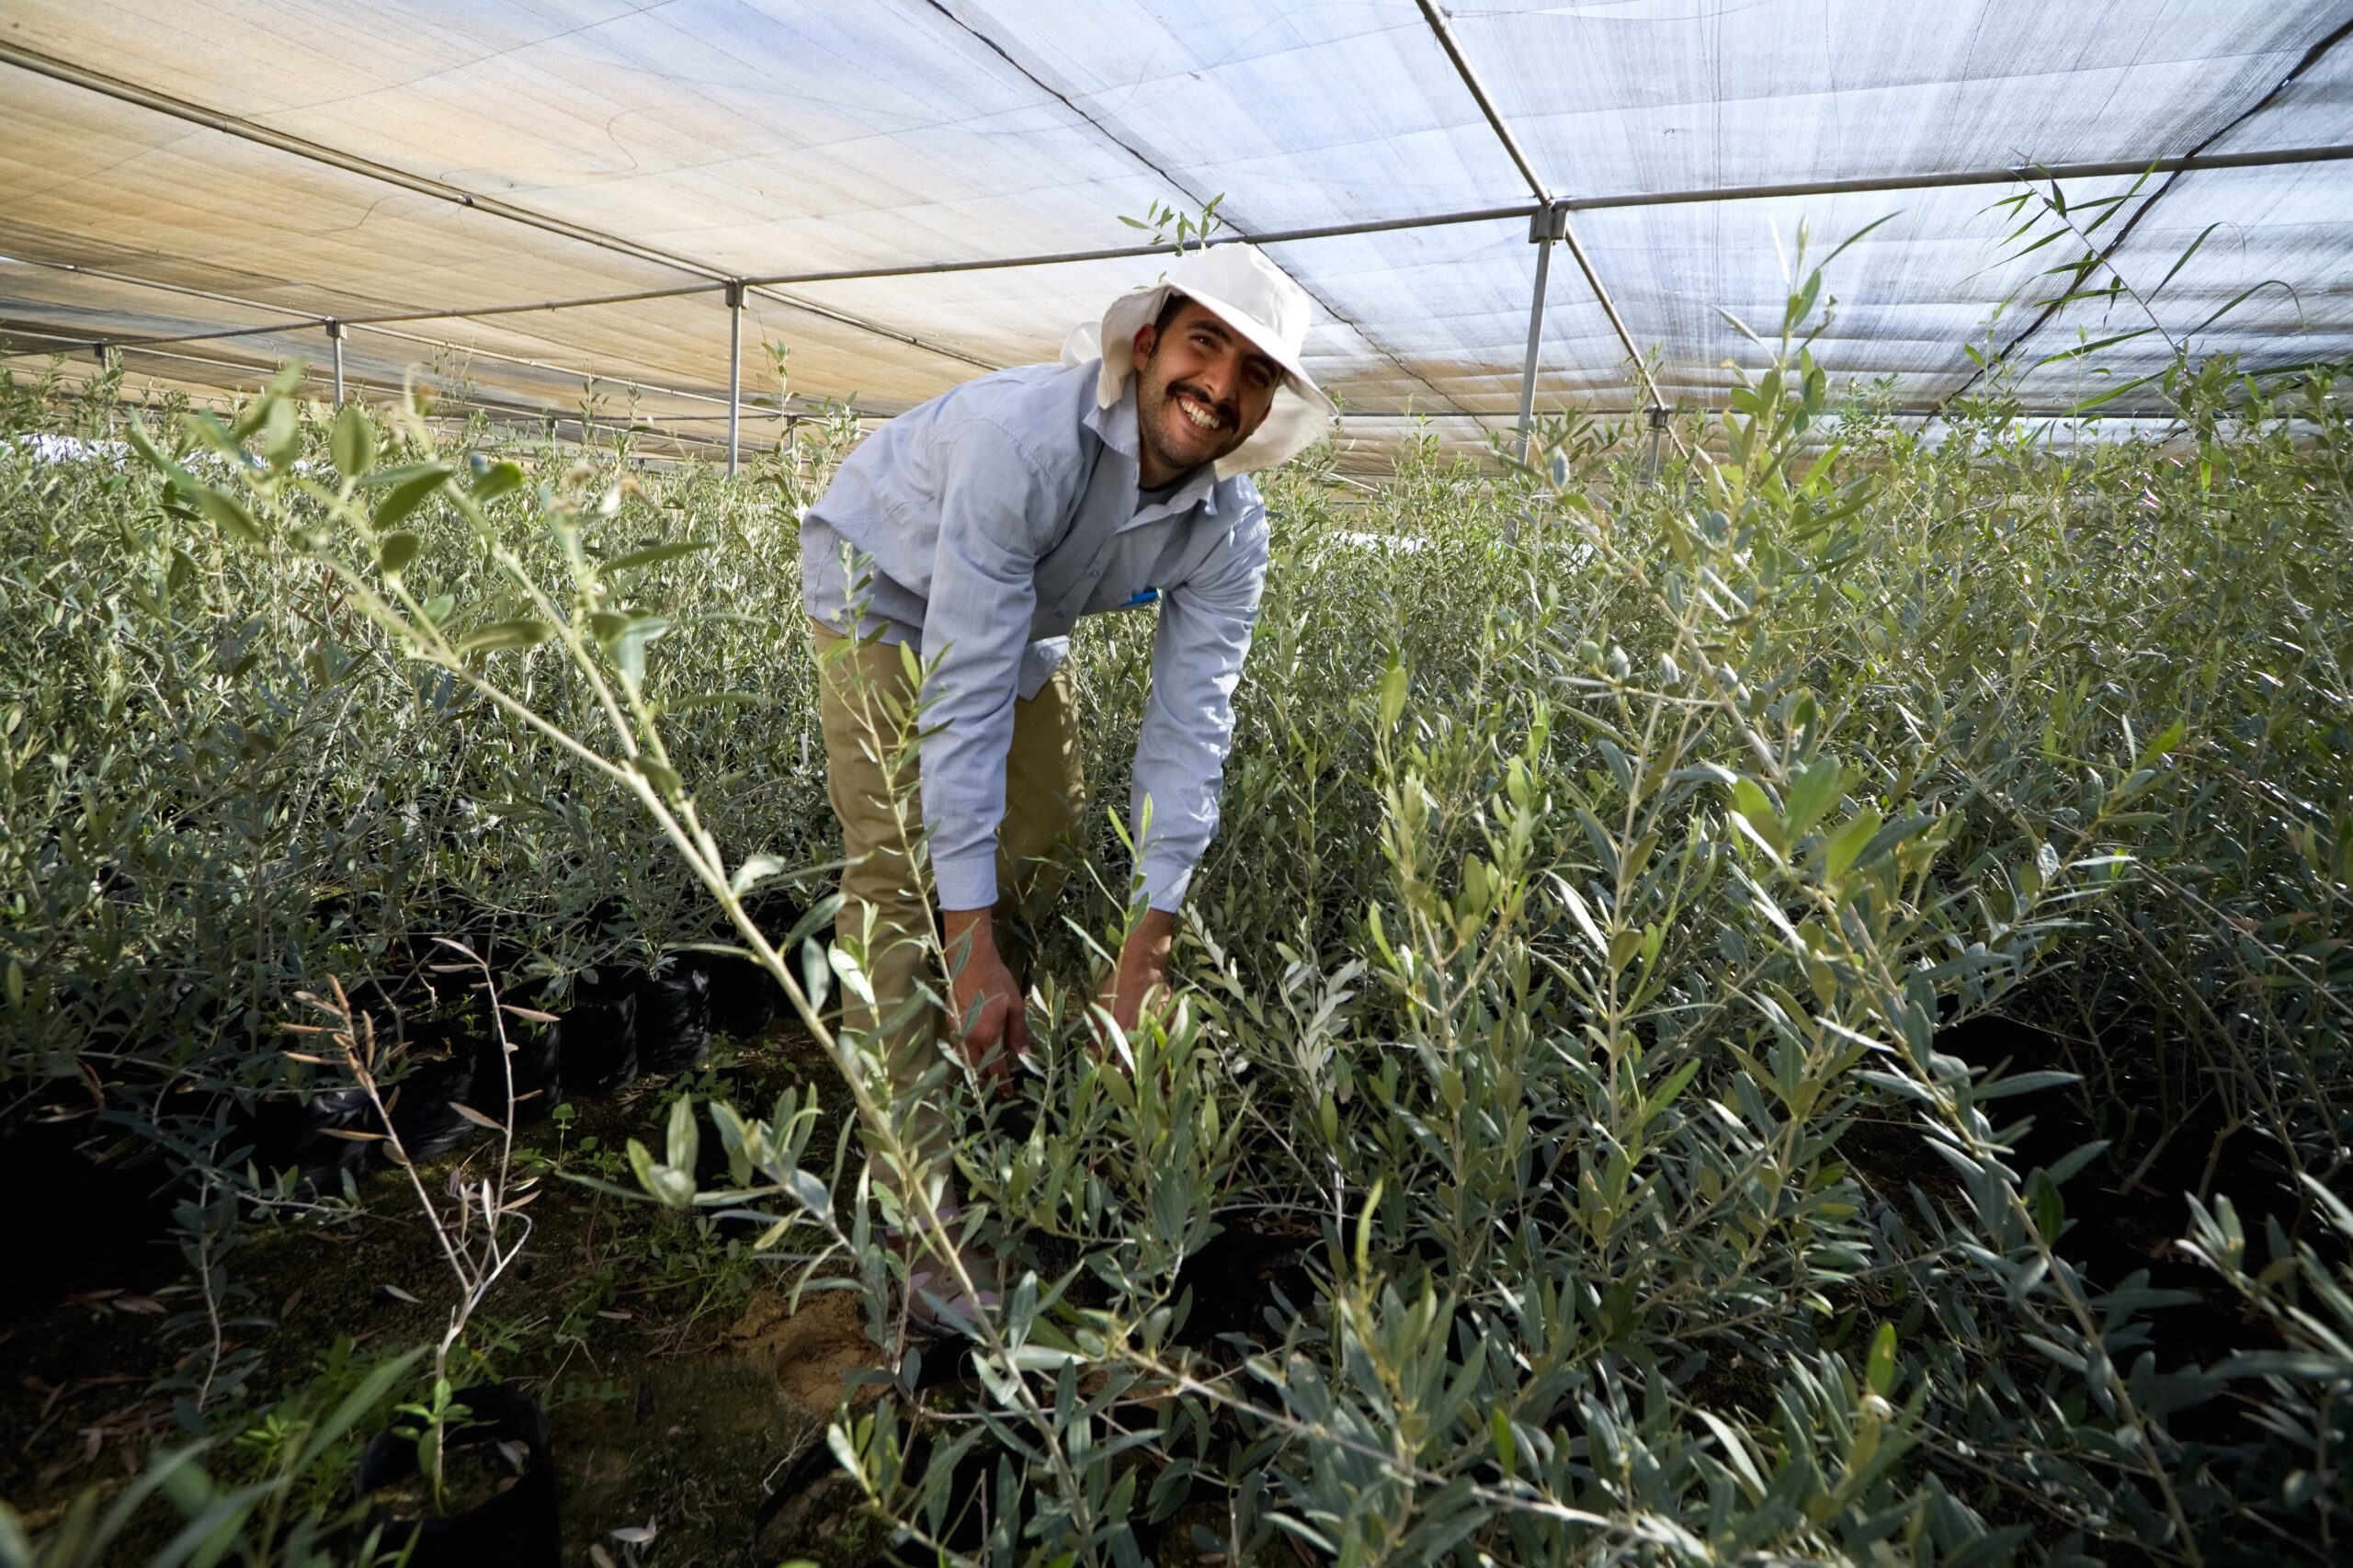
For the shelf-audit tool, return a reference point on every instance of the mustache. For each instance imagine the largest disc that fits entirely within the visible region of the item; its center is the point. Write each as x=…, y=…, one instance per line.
x=1227, y=413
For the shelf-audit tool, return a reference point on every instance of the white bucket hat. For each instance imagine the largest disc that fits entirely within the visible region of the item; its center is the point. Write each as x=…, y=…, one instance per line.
x=1251, y=295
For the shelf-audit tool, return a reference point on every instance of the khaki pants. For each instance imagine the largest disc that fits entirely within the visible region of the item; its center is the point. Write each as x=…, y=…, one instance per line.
x=864, y=700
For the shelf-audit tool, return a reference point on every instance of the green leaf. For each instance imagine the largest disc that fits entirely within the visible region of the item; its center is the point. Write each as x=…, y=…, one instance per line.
x=500, y=635
x=1393, y=696
x=754, y=870
x=1845, y=844
x=628, y=646
x=437, y=608
x=228, y=513
x=1880, y=1374
x=145, y=445
x=1364, y=1228
x=281, y=432
x=398, y=550
x=407, y=495
x=2167, y=739
x=355, y=1408
x=1748, y=798
x=811, y=1194
x=1811, y=794
x=686, y=1135
x=2044, y=1202
x=498, y=479
x=672, y=1188
x=653, y=553
x=352, y=444
x=1678, y=1081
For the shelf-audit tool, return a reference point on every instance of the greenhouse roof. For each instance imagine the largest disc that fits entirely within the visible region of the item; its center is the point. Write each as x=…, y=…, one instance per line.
x=204, y=188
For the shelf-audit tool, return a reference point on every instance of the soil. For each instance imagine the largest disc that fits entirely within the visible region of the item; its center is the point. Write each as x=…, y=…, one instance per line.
x=679, y=1386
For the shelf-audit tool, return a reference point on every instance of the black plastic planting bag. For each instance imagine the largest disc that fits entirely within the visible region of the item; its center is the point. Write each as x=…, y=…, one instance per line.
x=597, y=1034
x=422, y=1100
x=517, y=1529
x=534, y=1064
x=325, y=1136
x=744, y=998
x=673, y=1020
x=103, y=1214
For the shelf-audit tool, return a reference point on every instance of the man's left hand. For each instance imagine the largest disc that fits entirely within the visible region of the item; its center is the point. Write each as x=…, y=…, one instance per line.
x=1142, y=979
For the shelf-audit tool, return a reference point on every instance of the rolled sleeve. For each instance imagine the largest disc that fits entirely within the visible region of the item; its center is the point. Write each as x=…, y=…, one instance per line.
x=995, y=508
x=1203, y=636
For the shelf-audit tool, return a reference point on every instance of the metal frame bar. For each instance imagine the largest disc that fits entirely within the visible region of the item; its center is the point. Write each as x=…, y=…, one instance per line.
x=232, y=125
x=1558, y=216
x=1878, y=183
x=734, y=374
x=1540, y=231
x=82, y=76
x=2026, y=171
x=148, y=346
x=515, y=410
x=2050, y=312
x=1111, y=134
x=870, y=415
x=1554, y=210
x=1137, y=252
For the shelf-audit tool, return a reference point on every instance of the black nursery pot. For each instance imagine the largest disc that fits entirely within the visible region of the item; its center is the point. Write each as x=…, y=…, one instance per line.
x=535, y=1067
x=289, y=1131
x=745, y=997
x=517, y=1529
x=673, y=1020
x=598, y=1040
x=103, y=1214
x=440, y=1071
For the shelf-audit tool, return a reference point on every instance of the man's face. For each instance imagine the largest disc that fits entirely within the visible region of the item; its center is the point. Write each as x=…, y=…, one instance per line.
x=1202, y=389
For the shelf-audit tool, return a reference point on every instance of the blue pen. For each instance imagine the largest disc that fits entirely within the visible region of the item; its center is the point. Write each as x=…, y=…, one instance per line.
x=1147, y=596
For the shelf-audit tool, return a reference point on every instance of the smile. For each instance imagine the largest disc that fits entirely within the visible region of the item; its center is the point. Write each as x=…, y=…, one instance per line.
x=1202, y=418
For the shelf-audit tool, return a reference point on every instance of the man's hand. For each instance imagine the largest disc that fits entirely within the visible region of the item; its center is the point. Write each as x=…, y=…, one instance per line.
x=989, y=1022
x=1142, y=979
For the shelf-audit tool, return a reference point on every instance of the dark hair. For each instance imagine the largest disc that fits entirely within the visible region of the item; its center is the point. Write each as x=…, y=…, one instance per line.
x=1168, y=312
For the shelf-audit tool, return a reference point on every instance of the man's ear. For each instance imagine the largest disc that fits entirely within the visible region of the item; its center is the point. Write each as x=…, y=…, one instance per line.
x=1146, y=339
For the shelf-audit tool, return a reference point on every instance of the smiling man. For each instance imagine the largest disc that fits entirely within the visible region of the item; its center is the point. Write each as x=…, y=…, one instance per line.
x=980, y=527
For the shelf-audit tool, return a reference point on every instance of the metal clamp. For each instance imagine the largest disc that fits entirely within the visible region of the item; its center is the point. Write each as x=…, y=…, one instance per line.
x=1549, y=222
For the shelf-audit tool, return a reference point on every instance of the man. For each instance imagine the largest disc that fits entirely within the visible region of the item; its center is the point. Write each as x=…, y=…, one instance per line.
x=980, y=526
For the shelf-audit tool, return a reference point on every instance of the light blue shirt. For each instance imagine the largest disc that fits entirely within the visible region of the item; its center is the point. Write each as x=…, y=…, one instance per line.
x=987, y=522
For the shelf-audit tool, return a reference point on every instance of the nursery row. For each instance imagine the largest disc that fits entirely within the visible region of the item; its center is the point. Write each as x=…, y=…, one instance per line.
x=1789, y=1004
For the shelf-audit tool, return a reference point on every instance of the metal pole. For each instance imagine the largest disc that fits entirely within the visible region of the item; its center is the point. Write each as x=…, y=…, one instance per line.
x=1877, y=183
x=334, y=337
x=1553, y=213
x=1542, y=230
x=734, y=372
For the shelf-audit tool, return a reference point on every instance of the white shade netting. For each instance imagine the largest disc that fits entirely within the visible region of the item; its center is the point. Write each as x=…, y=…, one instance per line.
x=249, y=164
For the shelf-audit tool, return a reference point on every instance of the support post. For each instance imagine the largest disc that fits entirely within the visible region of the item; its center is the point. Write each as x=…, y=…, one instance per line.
x=334, y=337
x=734, y=372
x=1655, y=416
x=1548, y=224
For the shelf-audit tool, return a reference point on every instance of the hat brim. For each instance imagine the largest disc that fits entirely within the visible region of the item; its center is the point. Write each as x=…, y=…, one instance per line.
x=1301, y=412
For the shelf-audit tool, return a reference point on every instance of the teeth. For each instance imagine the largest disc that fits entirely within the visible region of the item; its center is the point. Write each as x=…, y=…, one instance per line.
x=1206, y=421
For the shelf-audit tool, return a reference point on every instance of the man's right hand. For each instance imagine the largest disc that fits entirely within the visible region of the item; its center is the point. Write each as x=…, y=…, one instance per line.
x=990, y=1023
